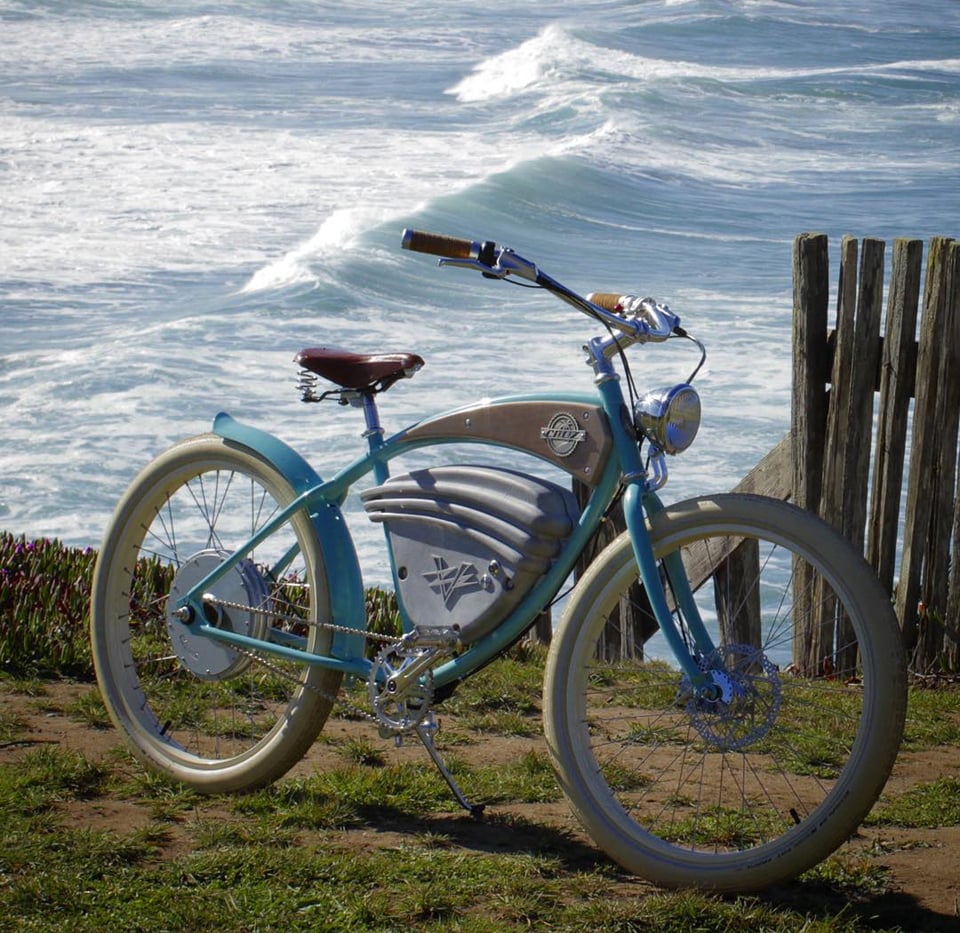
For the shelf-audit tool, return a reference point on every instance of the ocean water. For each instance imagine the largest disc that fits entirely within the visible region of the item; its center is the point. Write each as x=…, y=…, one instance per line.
x=190, y=192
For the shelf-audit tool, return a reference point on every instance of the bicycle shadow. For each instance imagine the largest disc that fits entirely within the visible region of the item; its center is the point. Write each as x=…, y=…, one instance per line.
x=890, y=910
x=496, y=831
x=500, y=831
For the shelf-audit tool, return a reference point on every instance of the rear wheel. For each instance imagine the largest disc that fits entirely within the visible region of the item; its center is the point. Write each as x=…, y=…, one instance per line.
x=215, y=717
x=766, y=778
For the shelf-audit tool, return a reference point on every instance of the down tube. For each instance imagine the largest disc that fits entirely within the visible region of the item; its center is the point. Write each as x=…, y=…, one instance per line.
x=540, y=596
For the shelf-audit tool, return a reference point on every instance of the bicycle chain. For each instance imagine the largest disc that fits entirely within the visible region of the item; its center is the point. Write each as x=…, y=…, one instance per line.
x=297, y=620
x=336, y=700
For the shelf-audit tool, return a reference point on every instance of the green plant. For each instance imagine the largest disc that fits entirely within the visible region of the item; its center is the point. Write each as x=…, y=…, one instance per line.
x=11, y=725
x=44, y=598
x=383, y=614
x=89, y=708
x=47, y=775
x=45, y=590
x=361, y=751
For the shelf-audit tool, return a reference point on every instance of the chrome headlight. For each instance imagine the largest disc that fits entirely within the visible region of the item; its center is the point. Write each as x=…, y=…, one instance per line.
x=669, y=418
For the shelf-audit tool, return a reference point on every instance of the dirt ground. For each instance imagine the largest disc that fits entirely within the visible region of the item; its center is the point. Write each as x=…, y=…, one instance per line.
x=923, y=865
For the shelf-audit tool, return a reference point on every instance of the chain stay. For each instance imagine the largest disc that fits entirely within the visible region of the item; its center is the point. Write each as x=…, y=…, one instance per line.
x=337, y=700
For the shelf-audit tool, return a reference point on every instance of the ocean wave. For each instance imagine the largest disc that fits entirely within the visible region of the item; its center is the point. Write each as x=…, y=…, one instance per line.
x=556, y=55
x=339, y=232
x=194, y=192
x=121, y=40
x=421, y=174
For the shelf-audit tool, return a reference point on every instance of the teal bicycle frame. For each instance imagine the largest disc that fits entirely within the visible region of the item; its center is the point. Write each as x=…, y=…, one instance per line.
x=322, y=500
x=229, y=612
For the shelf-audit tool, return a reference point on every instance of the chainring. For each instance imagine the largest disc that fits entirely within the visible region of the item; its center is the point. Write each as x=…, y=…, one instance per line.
x=399, y=709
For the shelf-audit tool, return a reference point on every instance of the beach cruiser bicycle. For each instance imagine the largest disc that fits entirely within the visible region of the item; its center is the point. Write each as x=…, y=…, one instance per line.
x=228, y=610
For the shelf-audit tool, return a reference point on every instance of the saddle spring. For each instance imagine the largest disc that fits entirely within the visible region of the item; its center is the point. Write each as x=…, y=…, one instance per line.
x=307, y=384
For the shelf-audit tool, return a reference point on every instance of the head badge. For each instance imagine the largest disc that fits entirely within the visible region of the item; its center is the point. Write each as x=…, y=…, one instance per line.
x=563, y=434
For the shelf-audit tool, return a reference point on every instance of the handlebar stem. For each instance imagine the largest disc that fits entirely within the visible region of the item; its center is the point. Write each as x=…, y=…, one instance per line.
x=600, y=352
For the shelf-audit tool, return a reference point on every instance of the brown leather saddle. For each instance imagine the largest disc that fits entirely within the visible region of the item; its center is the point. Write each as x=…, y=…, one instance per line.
x=365, y=372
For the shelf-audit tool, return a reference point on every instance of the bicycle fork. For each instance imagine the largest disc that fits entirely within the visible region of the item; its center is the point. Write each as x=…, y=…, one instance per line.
x=639, y=498
x=675, y=581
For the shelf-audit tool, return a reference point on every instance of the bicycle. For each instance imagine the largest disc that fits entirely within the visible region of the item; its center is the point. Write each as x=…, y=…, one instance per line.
x=228, y=607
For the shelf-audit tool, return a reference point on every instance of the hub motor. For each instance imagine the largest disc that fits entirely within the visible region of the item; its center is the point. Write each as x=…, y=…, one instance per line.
x=242, y=586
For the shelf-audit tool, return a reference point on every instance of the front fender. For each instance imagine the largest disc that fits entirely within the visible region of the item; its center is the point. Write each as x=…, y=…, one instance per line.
x=339, y=555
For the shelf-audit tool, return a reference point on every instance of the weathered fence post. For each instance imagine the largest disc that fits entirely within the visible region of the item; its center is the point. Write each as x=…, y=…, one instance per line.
x=810, y=365
x=897, y=377
x=935, y=580
x=808, y=418
x=541, y=632
x=952, y=649
x=846, y=463
x=922, y=552
x=632, y=622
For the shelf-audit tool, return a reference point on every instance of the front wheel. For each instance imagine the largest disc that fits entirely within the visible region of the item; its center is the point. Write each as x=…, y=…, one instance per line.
x=214, y=717
x=763, y=778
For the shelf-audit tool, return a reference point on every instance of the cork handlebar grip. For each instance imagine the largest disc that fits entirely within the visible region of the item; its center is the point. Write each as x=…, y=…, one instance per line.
x=439, y=245
x=609, y=301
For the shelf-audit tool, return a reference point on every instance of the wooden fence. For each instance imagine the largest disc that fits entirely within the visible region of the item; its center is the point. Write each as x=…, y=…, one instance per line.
x=887, y=424
x=874, y=425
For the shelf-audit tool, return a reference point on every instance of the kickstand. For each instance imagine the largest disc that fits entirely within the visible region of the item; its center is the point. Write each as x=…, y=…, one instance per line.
x=425, y=731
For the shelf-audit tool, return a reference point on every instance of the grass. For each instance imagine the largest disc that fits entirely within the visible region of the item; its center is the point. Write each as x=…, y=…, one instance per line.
x=370, y=844
x=929, y=805
x=277, y=860
x=933, y=718
x=286, y=856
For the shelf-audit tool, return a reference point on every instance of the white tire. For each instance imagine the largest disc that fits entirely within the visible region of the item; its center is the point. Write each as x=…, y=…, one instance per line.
x=209, y=716
x=737, y=793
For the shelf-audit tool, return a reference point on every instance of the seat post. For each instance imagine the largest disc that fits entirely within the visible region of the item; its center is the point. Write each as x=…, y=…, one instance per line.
x=374, y=431
x=371, y=416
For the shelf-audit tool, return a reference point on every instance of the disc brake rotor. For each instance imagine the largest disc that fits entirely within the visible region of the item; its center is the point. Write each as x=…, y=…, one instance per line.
x=748, y=702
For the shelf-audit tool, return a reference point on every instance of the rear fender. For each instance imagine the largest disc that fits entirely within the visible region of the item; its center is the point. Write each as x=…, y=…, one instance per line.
x=339, y=555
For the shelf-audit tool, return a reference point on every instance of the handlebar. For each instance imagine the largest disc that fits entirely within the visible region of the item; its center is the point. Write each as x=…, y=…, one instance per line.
x=640, y=320
x=661, y=322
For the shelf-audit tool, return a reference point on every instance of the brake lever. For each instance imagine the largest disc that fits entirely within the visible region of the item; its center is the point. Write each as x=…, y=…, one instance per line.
x=490, y=272
x=508, y=263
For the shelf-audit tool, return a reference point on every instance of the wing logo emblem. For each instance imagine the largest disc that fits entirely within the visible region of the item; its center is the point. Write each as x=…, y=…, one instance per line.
x=449, y=581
